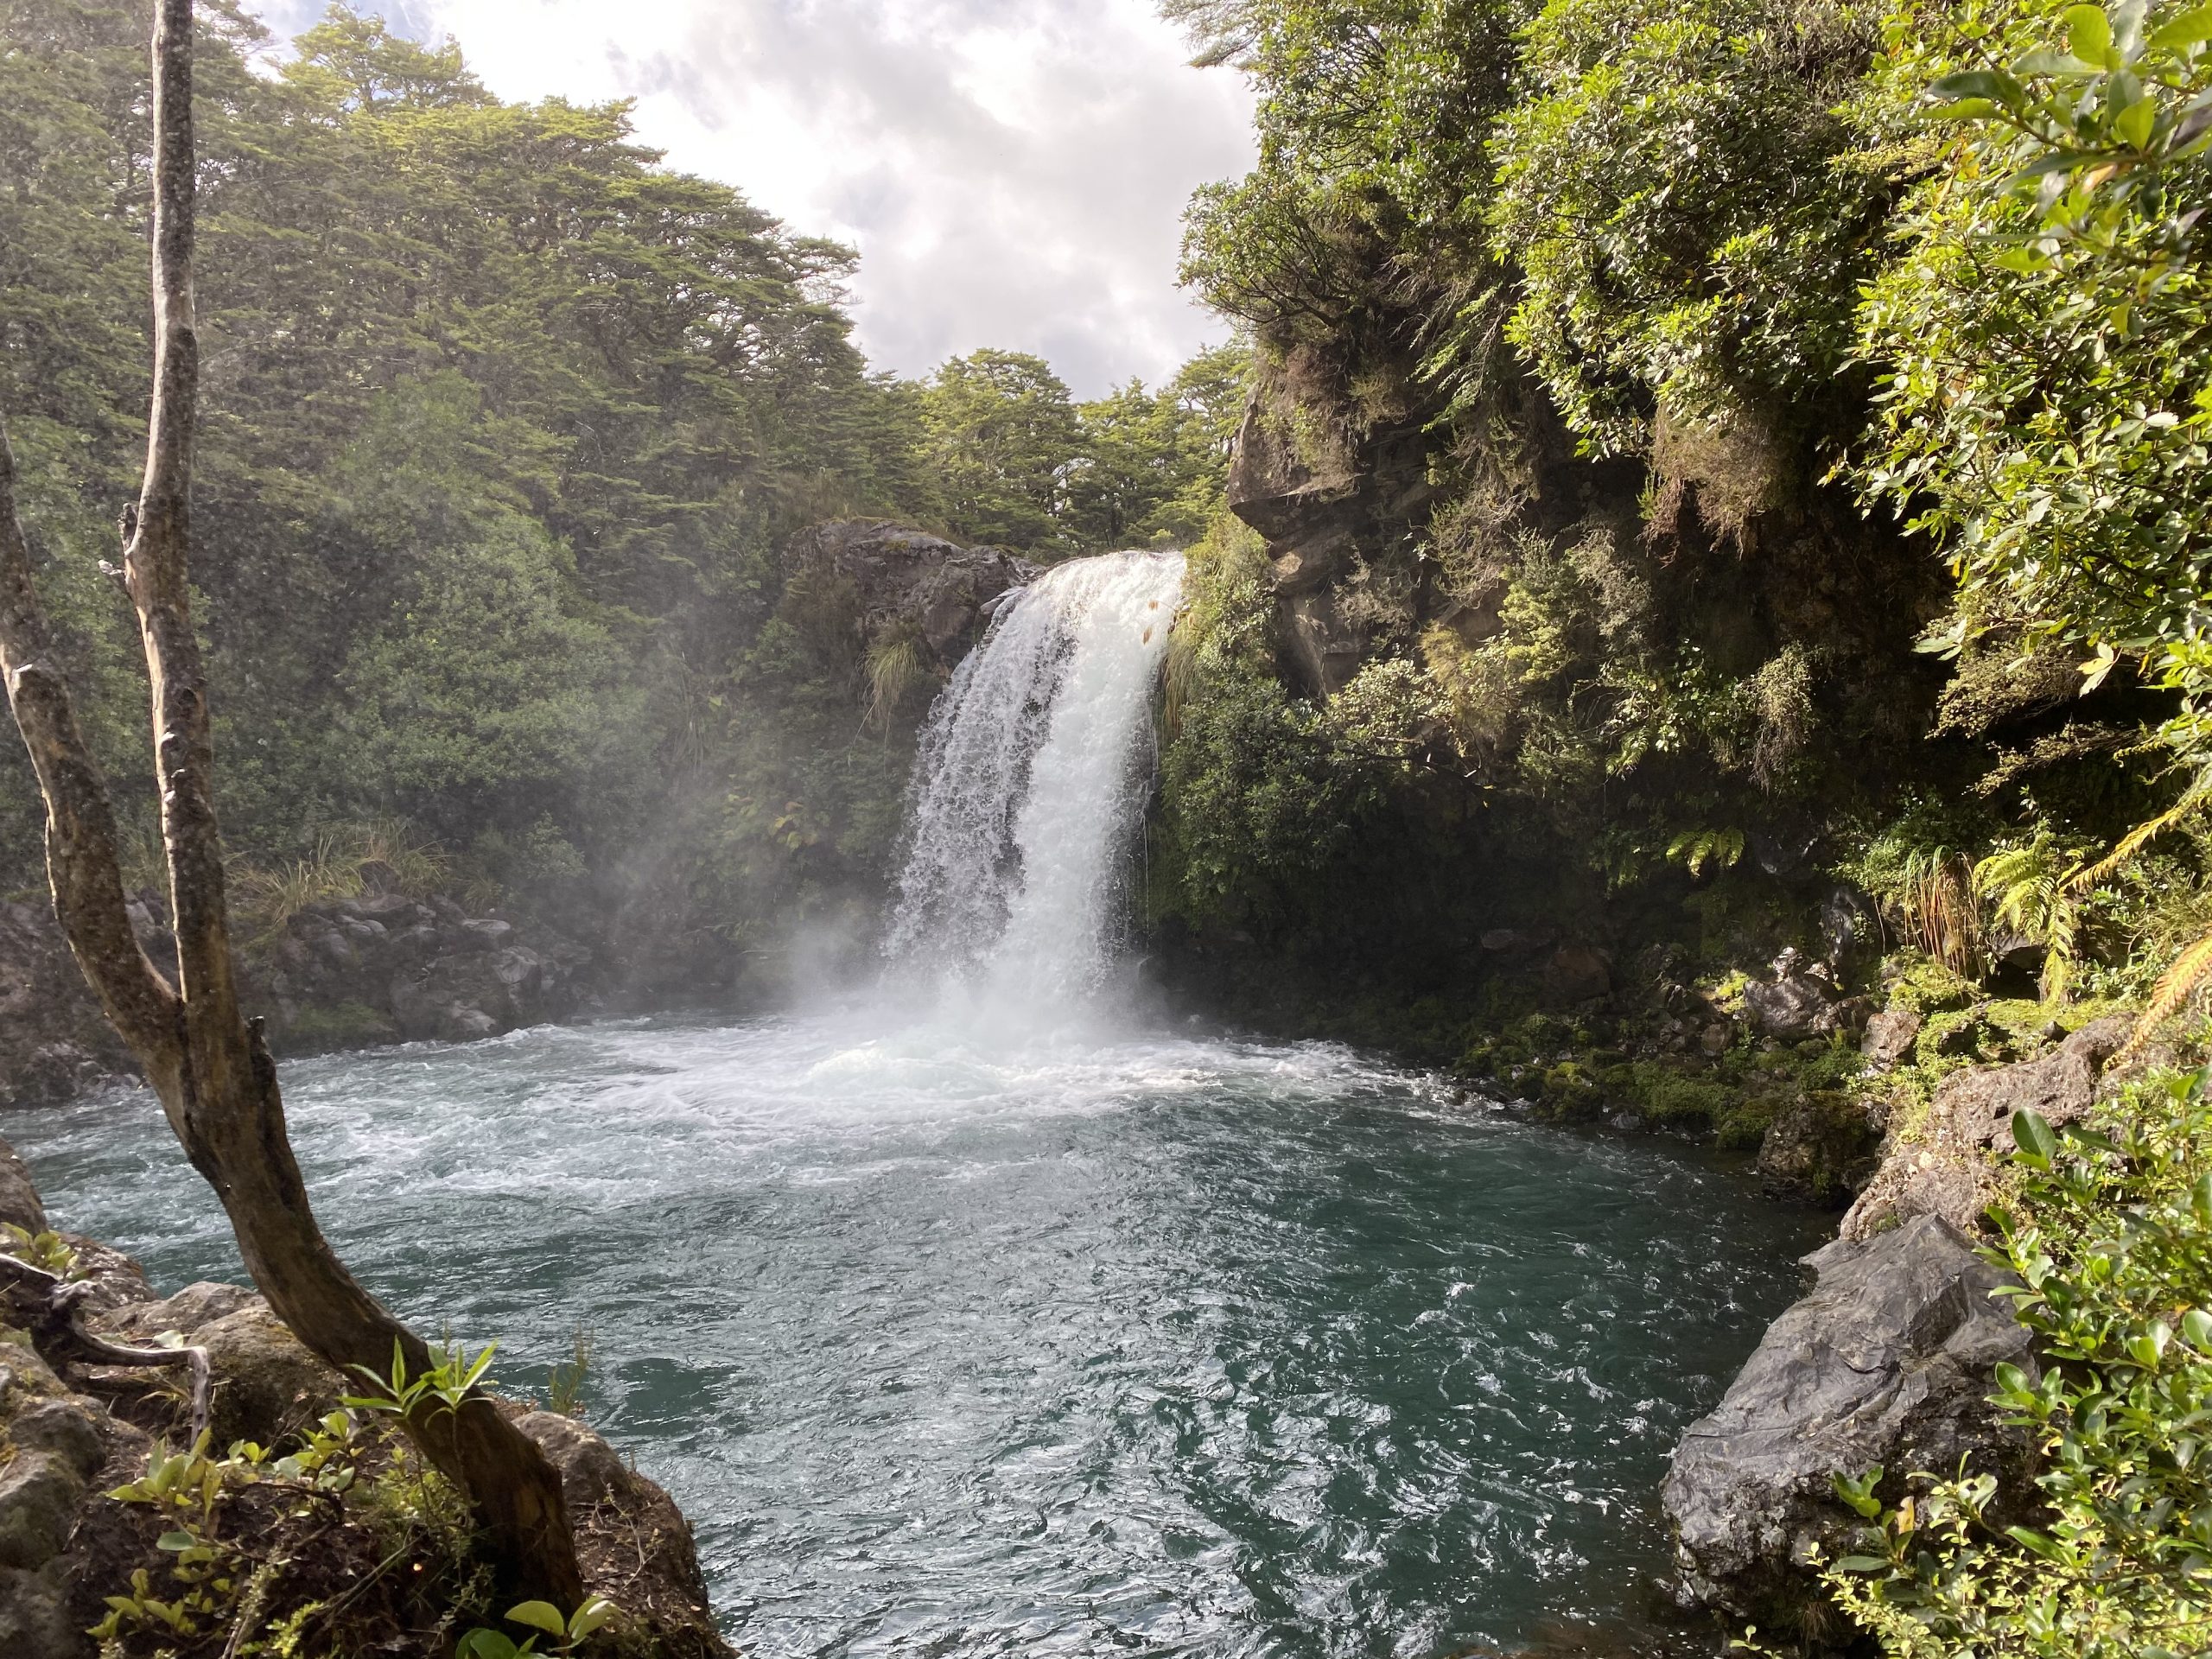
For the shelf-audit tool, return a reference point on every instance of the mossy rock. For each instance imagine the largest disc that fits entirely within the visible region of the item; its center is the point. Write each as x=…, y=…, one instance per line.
x=1540, y=1031
x=1743, y=1125
x=319, y=1029
x=1569, y=1089
x=1678, y=1099
x=1957, y=1033
x=1929, y=988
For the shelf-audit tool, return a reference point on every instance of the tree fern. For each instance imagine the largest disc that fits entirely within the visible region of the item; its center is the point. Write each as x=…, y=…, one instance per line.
x=2176, y=986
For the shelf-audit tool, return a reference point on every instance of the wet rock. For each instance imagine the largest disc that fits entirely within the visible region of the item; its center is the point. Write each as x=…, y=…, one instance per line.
x=1576, y=973
x=1798, y=1004
x=1847, y=920
x=19, y=1203
x=486, y=934
x=1782, y=850
x=1889, y=1038
x=1820, y=1145
x=1948, y=1167
x=483, y=990
x=1887, y=1361
x=632, y=1542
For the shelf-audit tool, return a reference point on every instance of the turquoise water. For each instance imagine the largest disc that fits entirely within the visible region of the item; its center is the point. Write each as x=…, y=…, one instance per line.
x=953, y=1345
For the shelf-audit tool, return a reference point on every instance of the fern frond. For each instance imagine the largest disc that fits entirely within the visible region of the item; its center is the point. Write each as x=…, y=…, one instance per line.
x=2176, y=986
x=2089, y=875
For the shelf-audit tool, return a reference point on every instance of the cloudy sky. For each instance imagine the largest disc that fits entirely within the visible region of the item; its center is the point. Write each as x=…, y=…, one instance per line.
x=1011, y=171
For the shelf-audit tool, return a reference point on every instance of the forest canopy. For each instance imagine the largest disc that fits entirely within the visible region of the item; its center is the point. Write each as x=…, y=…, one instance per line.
x=504, y=423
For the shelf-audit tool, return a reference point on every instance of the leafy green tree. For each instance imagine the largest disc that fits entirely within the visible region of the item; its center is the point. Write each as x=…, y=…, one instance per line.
x=1002, y=434
x=2047, y=338
x=502, y=425
x=2111, y=1247
x=1675, y=193
x=1151, y=465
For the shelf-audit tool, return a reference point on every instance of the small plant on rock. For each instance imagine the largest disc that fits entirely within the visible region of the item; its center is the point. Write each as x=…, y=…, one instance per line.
x=567, y=1633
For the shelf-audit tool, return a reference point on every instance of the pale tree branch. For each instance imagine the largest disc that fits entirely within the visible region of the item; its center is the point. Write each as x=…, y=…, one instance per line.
x=81, y=859
x=215, y=1080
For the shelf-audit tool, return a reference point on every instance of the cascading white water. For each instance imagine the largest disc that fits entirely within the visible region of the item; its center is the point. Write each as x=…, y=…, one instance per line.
x=1027, y=784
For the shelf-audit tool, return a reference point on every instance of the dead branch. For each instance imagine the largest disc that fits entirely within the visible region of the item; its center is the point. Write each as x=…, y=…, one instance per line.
x=52, y=1310
x=209, y=1068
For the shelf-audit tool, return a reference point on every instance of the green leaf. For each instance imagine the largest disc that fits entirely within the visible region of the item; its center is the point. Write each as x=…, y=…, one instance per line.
x=2191, y=28
x=595, y=1612
x=1991, y=84
x=2196, y=1330
x=1863, y=1564
x=539, y=1616
x=2135, y=123
x=174, y=1542
x=2088, y=35
x=2037, y=1142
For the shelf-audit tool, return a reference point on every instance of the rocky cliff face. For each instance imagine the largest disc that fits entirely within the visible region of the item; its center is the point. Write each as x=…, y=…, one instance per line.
x=1330, y=507
x=387, y=968
x=903, y=579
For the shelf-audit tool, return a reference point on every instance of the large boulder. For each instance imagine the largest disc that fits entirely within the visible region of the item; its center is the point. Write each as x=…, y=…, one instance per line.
x=1947, y=1166
x=1888, y=1362
x=1820, y=1145
x=54, y=1445
x=385, y=966
x=267, y=1385
x=19, y=1203
x=54, y=1042
x=1801, y=1002
x=1889, y=1038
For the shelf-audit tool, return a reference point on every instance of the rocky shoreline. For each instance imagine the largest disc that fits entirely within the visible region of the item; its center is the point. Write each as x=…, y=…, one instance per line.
x=330, y=1556
x=1887, y=1362
x=382, y=966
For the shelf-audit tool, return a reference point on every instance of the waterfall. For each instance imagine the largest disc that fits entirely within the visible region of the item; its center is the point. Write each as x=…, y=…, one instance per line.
x=1029, y=780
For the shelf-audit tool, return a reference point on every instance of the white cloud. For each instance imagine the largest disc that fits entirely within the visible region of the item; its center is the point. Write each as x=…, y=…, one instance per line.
x=1011, y=171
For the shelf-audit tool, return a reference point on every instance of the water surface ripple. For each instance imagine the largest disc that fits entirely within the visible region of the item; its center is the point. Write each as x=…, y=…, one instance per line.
x=1151, y=1344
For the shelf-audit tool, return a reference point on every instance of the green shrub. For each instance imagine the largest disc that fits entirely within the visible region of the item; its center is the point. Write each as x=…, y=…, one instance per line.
x=2112, y=1242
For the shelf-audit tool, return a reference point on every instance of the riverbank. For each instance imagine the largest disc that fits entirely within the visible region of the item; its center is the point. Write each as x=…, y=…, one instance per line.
x=292, y=1521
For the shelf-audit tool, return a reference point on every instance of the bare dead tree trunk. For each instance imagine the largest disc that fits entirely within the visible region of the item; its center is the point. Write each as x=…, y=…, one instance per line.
x=215, y=1080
